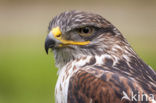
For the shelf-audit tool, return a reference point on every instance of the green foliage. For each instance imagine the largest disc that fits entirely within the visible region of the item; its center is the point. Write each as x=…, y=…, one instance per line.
x=27, y=74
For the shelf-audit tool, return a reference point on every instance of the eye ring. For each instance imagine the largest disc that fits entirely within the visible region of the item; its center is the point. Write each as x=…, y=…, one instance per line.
x=86, y=31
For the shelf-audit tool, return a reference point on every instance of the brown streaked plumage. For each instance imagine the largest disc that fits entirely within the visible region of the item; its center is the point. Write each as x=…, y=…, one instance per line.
x=96, y=63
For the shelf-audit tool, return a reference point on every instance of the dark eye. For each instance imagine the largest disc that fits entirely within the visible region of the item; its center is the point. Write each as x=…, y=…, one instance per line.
x=86, y=31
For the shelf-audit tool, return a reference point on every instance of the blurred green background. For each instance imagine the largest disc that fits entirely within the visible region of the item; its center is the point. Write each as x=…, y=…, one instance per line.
x=27, y=74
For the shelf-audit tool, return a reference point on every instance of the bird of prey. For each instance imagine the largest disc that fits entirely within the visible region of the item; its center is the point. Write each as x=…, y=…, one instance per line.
x=95, y=62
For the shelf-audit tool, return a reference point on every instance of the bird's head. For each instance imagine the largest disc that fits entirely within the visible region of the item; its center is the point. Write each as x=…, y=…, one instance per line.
x=76, y=34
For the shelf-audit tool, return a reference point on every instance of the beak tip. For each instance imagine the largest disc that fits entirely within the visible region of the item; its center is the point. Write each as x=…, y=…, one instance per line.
x=47, y=51
x=46, y=48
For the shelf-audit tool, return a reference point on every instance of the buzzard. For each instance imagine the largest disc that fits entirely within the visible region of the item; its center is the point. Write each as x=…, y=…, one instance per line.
x=96, y=63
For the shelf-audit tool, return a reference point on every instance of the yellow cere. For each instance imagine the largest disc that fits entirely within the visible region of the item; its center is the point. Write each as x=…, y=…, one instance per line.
x=57, y=34
x=56, y=31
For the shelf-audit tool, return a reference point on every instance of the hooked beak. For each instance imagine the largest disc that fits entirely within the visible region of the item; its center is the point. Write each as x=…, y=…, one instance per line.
x=50, y=42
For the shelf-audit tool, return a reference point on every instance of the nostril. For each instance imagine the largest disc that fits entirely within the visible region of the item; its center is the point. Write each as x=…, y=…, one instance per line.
x=58, y=35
